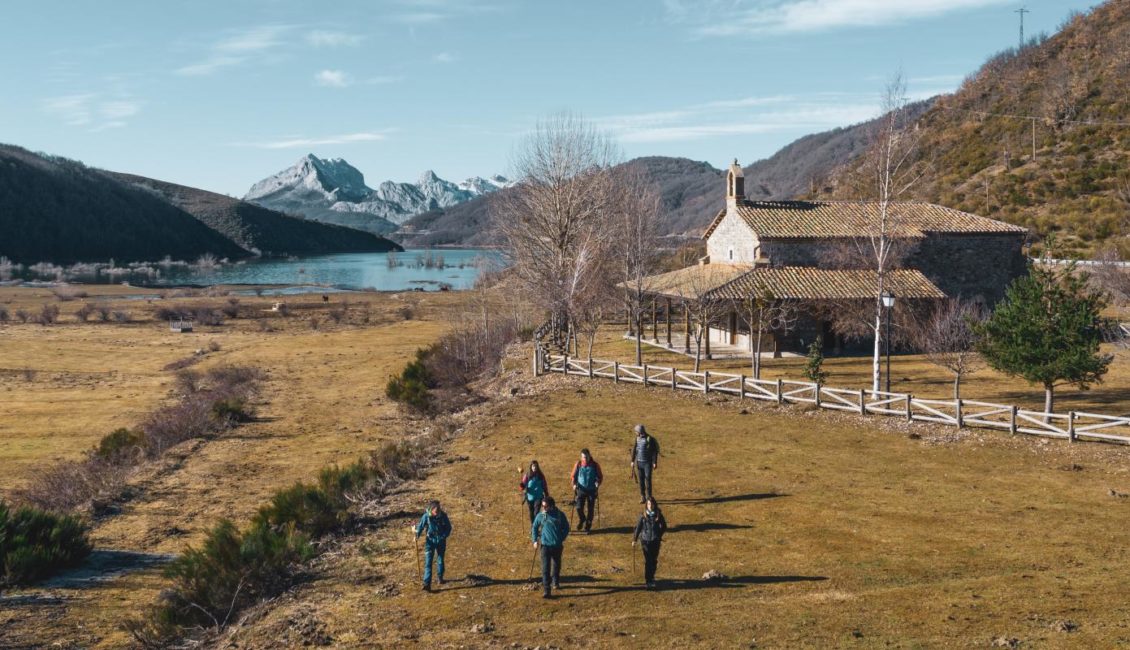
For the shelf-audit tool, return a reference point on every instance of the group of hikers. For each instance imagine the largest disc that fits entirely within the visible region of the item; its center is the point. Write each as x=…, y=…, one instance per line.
x=549, y=526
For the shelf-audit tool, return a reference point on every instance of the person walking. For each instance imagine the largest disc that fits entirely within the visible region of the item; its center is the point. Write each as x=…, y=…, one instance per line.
x=649, y=532
x=438, y=528
x=534, y=487
x=586, y=477
x=645, y=458
x=548, y=532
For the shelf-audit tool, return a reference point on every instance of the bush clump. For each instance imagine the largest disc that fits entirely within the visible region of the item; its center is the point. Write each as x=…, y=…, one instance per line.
x=411, y=387
x=121, y=445
x=35, y=543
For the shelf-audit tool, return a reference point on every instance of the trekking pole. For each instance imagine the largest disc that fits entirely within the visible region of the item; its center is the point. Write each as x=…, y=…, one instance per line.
x=419, y=571
x=596, y=506
x=633, y=560
x=532, y=559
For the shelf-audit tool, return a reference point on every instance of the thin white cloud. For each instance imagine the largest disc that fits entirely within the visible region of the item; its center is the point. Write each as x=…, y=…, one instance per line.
x=445, y=57
x=92, y=111
x=301, y=142
x=735, y=18
x=332, y=79
x=239, y=47
x=743, y=116
x=331, y=38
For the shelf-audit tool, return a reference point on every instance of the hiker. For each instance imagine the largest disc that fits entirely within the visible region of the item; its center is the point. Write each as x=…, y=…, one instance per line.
x=649, y=531
x=586, y=478
x=534, y=487
x=435, y=544
x=645, y=458
x=549, y=530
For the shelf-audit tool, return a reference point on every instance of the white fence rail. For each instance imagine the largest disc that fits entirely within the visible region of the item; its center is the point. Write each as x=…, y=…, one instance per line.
x=960, y=413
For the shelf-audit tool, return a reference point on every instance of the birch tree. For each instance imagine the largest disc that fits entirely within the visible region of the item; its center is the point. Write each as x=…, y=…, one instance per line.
x=636, y=222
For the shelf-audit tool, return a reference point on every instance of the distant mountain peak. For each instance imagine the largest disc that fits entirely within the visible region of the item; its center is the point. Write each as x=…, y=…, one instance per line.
x=331, y=189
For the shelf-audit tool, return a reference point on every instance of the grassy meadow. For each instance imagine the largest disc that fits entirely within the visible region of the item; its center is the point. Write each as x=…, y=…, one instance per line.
x=831, y=530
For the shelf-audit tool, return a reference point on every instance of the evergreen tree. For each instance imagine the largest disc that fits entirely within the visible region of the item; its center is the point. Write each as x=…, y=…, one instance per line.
x=813, y=368
x=1047, y=330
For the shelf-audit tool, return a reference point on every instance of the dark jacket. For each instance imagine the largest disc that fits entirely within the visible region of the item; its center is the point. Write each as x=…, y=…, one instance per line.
x=438, y=527
x=550, y=528
x=651, y=450
x=650, y=528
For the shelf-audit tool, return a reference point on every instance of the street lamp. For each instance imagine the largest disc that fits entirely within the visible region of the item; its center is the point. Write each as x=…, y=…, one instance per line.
x=888, y=299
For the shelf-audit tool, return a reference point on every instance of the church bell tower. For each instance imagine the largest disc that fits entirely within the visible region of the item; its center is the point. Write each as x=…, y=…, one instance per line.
x=735, y=184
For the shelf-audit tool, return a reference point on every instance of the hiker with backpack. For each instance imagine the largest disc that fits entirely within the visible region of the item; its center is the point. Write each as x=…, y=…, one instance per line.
x=586, y=477
x=645, y=458
x=534, y=487
x=548, y=532
x=438, y=527
x=649, y=532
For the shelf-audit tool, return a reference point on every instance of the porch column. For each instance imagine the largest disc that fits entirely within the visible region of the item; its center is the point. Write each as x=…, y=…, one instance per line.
x=687, y=331
x=655, y=319
x=667, y=314
x=733, y=326
x=706, y=339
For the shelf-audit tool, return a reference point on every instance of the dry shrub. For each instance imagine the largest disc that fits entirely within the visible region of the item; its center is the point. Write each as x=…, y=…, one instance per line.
x=48, y=315
x=67, y=293
x=213, y=346
x=103, y=313
x=121, y=316
x=337, y=314
x=22, y=315
x=34, y=544
x=4, y=314
x=84, y=312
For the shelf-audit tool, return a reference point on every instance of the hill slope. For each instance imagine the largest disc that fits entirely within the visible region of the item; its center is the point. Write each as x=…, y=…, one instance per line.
x=258, y=229
x=1071, y=91
x=58, y=210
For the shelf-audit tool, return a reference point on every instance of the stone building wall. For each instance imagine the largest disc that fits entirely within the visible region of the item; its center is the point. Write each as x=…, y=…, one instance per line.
x=973, y=266
x=732, y=234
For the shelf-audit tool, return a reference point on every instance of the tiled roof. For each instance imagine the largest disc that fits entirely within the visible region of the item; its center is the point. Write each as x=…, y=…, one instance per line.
x=807, y=219
x=693, y=281
x=806, y=283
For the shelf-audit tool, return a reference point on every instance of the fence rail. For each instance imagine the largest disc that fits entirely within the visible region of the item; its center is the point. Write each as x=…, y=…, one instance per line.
x=960, y=413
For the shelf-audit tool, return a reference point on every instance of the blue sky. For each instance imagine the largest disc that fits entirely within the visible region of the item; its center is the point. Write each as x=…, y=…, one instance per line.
x=220, y=94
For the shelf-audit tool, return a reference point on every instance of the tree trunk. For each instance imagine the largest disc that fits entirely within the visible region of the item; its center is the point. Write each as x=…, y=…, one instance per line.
x=697, y=352
x=1049, y=398
x=592, y=339
x=757, y=357
x=957, y=385
x=639, y=337
x=878, y=342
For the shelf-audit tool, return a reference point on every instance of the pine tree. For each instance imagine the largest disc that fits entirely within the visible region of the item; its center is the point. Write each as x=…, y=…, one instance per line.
x=1047, y=330
x=813, y=368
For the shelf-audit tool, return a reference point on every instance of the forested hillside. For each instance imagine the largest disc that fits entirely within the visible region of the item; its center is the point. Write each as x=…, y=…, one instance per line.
x=1069, y=97
x=58, y=210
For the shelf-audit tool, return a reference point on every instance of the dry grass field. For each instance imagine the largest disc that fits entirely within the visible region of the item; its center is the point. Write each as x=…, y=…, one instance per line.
x=832, y=530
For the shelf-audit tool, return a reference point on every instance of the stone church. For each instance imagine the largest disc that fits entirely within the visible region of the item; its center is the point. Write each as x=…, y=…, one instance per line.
x=815, y=254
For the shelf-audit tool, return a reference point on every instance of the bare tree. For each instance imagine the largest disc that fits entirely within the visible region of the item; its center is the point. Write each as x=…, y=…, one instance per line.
x=763, y=313
x=892, y=168
x=636, y=220
x=949, y=338
x=554, y=220
x=704, y=308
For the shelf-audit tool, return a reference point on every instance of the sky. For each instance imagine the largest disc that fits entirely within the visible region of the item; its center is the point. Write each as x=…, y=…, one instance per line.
x=218, y=95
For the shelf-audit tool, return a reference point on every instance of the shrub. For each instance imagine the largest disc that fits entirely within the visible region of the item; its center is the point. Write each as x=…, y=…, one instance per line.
x=67, y=294
x=4, y=314
x=175, y=423
x=121, y=317
x=208, y=316
x=411, y=387
x=121, y=446
x=84, y=313
x=48, y=315
x=301, y=507
x=314, y=322
x=103, y=313
x=231, y=410
x=337, y=314
x=213, y=346
x=34, y=544
x=22, y=315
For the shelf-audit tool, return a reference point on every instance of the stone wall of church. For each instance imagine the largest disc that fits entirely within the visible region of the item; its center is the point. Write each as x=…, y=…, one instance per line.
x=974, y=266
x=732, y=242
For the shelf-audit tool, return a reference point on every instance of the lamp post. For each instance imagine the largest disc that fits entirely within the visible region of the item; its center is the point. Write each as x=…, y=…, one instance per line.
x=888, y=299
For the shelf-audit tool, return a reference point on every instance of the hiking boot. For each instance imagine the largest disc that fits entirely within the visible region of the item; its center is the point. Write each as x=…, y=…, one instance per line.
x=427, y=587
x=556, y=584
x=588, y=527
x=545, y=594
x=442, y=581
x=580, y=524
x=651, y=585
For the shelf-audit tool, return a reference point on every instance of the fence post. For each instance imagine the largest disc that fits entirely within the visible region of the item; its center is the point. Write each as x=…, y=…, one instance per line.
x=645, y=374
x=862, y=402
x=590, y=367
x=909, y=412
x=780, y=393
x=537, y=360
x=616, y=372
x=706, y=381
x=674, y=381
x=1071, y=426
x=958, y=412
x=741, y=386
x=565, y=364
x=1012, y=420
x=817, y=393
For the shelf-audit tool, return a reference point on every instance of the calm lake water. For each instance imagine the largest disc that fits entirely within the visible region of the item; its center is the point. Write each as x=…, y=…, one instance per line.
x=427, y=269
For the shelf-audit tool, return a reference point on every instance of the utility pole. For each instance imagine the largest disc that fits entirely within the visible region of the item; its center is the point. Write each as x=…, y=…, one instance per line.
x=1022, y=10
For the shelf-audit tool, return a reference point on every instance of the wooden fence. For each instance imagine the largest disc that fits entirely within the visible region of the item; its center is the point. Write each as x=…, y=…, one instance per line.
x=1072, y=426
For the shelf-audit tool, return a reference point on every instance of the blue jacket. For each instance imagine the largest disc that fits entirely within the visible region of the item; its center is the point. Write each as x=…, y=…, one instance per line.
x=439, y=526
x=550, y=528
x=535, y=487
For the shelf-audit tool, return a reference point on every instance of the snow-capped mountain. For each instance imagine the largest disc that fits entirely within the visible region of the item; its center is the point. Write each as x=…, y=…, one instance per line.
x=334, y=191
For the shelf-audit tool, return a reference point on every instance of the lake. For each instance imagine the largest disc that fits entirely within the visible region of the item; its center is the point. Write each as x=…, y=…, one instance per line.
x=427, y=269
